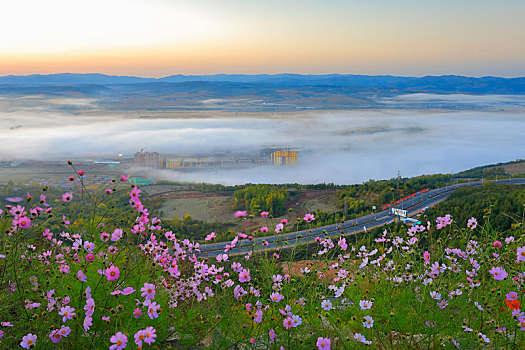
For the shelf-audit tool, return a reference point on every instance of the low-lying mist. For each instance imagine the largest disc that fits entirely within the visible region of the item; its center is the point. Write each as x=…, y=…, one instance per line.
x=339, y=146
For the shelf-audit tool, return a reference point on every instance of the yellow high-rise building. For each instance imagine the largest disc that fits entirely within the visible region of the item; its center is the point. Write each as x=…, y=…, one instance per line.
x=284, y=158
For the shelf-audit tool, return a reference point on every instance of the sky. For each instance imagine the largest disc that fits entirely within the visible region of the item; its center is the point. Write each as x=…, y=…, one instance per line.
x=155, y=38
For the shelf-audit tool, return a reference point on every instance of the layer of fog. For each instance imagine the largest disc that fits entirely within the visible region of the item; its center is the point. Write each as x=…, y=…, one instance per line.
x=340, y=147
x=472, y=100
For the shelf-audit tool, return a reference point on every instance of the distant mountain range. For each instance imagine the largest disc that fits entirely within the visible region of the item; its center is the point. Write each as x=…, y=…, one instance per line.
x=435, y=84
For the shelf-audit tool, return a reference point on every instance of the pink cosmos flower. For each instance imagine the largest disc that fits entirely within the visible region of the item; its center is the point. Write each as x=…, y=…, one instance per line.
x=112, y=273
x=81, y=276
x=342, y=243
x=24, y=222
x=498, y=273
x=137, y=313
x=265, y=214
x=240, y=213
x=264, y=229
x=497, y=244
x=276, y=297
x=81, y=172
x=521, y=253
x=426, y=256
x=116, y=235
x=472, y=223
x=90, y=306
x=244, y=276
x=119, y=340
x=123, y=178
x=67, y=312
x=139, y=337
x=309, y=217
x=210, y=236
x=512, y=296
x=443, y=221
x=271, y=334
x=28, y=341
x=258, y=316
x=284, y=222
x=279, y=228
x=153, y=307
x=148, y=291
x=64, y=331
x=90, y=257
x=150, y=335
x=323, y=343
x=66, y=197
x=288, y=322
x=108, y=191
x=55, y=336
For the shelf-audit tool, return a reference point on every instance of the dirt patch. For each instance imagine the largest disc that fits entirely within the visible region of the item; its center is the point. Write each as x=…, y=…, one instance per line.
x=205, y=208
x=512, y=169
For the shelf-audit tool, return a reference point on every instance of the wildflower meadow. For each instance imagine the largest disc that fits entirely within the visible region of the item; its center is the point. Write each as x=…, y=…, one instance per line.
x=93, y=269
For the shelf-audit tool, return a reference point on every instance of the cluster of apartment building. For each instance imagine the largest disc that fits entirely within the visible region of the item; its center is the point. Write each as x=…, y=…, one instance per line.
x=155, y=160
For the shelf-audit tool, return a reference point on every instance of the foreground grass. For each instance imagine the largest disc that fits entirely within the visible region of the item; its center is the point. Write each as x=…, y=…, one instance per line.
x=100, y=282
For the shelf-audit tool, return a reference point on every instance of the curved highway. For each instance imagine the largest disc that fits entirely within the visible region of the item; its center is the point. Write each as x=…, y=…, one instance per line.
x=349, y=227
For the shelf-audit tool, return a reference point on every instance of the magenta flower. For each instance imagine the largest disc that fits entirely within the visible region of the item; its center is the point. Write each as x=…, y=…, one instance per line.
x=210, y=236
x=90, y=257
x=123, y=178
x=309, y=217
x=284, y=222
x=137, y=313
x=24, y=222
x=498, y=273
x=244, y=276
x=66, y=197
x=265, y=214
x=426, y=256
x=28, y=341
x=271, y=334
x=323, y=343
x=497, y=244
x=264, y=229
x=112, y=273
x=119, y=341
x=80, y=172
x=67, y=312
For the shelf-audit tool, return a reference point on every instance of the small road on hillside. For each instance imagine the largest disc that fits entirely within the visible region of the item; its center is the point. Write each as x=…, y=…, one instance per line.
x=412, y=205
